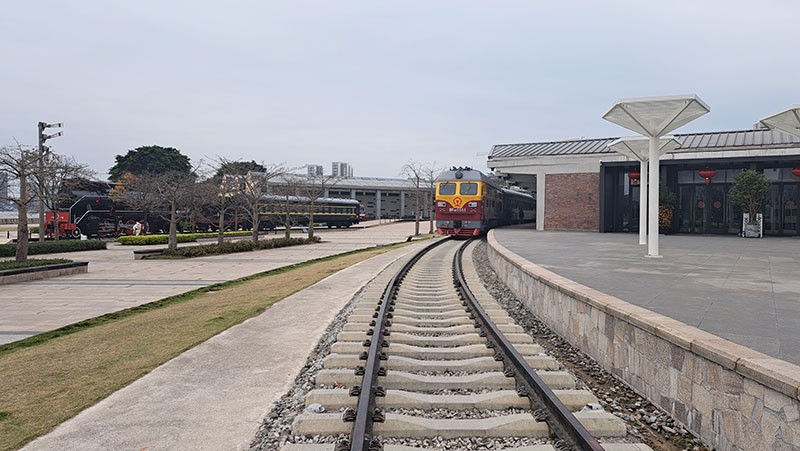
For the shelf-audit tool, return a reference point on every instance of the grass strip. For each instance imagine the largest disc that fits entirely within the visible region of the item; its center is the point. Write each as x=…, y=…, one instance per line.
x=51, y=377
x=32, y=263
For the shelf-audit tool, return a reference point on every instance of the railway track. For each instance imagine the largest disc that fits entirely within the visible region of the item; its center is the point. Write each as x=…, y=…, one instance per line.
x=434, y=363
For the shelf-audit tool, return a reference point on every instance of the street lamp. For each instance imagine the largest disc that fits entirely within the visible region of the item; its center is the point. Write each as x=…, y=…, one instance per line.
x=654, y=117
x=42, y=150
x=637, y=148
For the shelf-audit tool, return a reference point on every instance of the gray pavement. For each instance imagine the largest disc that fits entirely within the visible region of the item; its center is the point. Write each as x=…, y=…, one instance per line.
x=116, y=281
x=214, y=396
x=745, y=290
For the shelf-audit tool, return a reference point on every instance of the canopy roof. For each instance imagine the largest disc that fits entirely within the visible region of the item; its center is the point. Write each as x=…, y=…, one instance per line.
x=655, y=116
x=638, y=147
x=787, y=120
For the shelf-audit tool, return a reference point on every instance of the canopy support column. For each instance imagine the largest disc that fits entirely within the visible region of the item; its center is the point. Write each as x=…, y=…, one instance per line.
x=652, y=216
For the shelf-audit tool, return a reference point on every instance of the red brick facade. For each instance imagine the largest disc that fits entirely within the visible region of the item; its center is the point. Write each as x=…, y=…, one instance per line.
x=572, y=201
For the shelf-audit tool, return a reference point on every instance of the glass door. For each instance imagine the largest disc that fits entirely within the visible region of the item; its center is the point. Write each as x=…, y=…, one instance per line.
x=715, y=205
x=791, y=197
x=693, y=211
x=772, y=210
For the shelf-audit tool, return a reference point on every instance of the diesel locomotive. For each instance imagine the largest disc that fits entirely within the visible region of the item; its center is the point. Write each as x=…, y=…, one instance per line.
x=468, y=203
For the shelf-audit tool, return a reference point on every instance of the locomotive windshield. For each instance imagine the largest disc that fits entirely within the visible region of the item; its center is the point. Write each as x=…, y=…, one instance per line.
x=447, y=189
x=469, y=188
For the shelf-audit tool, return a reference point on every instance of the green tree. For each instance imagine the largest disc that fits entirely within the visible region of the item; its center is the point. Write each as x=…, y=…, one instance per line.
x=238, y=168
x=150, y=160
x=748, y=191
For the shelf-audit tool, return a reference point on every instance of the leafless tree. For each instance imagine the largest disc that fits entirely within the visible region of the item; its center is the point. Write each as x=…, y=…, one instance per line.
x=423, y=176
x=430, y=173
x=314, y=188
x=254, y=189
x=284, y=201
x=60, y=174
x=20, y=163
x=163, y=193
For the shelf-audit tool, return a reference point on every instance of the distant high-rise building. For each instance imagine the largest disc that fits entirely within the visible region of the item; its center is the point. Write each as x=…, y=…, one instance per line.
x=3, y=185
x=314, y=170
x=341, y=169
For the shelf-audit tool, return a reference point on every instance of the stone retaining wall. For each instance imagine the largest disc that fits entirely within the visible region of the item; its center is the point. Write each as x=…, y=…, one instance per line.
x=42, y=272
x=733, y=397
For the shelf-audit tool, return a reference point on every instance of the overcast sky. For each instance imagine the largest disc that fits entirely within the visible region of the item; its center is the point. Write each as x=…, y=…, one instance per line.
x=378, y=83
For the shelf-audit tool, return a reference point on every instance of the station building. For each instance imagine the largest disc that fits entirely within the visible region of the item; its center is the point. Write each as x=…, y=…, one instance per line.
x=584, y=185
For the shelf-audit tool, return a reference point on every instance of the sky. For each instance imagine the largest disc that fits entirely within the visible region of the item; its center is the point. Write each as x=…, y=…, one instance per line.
x=376, y=83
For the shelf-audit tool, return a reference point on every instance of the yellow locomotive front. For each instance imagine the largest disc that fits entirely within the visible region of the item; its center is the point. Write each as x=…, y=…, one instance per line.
x=463, y=199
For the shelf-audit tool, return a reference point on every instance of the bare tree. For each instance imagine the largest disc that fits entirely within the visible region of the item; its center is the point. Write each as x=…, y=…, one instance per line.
x=60, y=174
x=162, y=193
x=285, y=203
x=255, y=187
x=423, y=176
x=19, y=163
x=413, y=170
x=314, y=188
x=430, y=173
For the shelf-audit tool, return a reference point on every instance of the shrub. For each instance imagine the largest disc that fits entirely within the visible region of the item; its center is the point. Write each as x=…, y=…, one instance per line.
x=153, y=239
x=748, y=191
x=132, y=240
x=230, y=247
x=215, y=234
x=52, y=247
x=32, y=263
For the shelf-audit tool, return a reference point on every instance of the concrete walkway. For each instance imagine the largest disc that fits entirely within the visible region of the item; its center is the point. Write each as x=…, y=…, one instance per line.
x=744, y=290
x=214, y=396
x=116, y=281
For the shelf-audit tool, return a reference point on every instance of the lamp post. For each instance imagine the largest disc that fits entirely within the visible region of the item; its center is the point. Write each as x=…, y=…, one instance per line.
x=637, y=148
x=654, y=117
x=40, y=176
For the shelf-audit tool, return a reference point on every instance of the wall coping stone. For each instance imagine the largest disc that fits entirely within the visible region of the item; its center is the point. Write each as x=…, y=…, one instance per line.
x=42, y=272
x=772, y=372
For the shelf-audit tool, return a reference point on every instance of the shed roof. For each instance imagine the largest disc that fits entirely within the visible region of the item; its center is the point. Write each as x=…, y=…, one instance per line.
x=727, y=140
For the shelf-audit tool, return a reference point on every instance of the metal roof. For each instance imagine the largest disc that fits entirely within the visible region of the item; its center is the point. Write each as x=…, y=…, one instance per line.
x=360, y=183
x=730, y=140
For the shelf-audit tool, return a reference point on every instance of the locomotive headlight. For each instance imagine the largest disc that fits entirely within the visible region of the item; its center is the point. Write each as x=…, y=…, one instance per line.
x=473, y=204
x=441, y=204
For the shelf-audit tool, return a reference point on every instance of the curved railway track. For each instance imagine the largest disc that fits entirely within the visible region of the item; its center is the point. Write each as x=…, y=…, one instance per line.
x=434, y=363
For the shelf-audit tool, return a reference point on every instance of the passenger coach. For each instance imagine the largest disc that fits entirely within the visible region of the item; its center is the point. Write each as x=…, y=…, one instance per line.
x=468, y=203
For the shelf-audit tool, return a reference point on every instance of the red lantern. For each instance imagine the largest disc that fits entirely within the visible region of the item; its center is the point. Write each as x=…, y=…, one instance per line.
x=796, y=172
x=708, y=174
x=634, y=175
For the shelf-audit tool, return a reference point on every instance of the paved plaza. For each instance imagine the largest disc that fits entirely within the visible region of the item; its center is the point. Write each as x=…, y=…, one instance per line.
x=116, y=281
x=743, y=290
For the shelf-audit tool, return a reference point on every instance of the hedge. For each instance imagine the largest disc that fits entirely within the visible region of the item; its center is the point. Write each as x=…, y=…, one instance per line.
x=230, y=247
x=53, y=247
x=132, y=240
x=32, y=263
x=216, y=234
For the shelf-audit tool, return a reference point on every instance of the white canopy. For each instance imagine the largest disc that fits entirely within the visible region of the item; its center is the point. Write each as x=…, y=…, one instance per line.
x=638, y=147
x=655, y=116
x=787, y=120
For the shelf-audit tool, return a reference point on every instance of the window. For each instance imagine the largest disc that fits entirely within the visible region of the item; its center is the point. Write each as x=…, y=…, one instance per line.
x=447, y=189
x=469, y=188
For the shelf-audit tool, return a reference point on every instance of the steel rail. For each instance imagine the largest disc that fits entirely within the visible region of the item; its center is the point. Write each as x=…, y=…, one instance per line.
x=559, y=418
x=361, y=437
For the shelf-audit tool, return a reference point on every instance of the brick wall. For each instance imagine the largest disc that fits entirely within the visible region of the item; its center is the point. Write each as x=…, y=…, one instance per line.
x=572, y=201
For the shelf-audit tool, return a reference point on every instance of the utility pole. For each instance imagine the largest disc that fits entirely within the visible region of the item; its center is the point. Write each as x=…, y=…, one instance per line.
x=40, y=175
